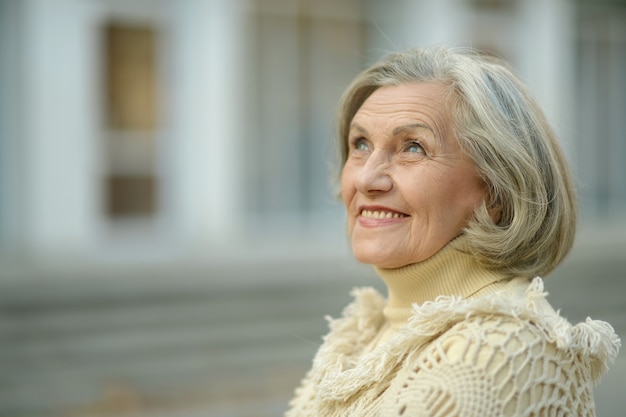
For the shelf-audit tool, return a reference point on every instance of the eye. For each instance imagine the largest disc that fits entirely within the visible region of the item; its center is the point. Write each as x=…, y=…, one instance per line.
x=360, y=144
x=414, y=147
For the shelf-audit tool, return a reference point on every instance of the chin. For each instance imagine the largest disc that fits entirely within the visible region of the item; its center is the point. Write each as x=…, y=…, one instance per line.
x=377, y=259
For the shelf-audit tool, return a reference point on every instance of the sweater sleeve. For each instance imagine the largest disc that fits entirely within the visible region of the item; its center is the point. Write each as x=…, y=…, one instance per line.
x=491, y=366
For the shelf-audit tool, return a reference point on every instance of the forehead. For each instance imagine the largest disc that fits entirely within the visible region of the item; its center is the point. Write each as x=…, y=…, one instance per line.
x=418, y=96
x=413, y=104
x=419, y=101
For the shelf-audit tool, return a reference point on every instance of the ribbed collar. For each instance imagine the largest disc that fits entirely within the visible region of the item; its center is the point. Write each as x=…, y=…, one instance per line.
x=451, y=272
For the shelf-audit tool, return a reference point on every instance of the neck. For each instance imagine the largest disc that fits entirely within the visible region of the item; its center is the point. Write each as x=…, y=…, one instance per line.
x=450, y=272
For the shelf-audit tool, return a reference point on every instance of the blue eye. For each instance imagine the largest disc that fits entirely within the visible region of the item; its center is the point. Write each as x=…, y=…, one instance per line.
x=414, y=147
x=360, y=144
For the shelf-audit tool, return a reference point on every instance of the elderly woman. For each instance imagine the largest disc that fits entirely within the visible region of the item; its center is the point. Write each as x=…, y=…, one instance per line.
x=457, y=192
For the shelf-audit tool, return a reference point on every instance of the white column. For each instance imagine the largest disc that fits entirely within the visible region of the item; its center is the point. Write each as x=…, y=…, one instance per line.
x=417, y=23
x=58, y=111
x=204, y=123
x=11, y=151
x=546, y=42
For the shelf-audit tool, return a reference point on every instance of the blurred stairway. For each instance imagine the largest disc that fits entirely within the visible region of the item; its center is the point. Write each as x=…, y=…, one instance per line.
x=164, y=335
x=223, y=340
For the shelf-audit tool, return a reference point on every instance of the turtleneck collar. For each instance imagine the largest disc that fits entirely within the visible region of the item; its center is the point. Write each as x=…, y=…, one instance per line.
x=451, y=272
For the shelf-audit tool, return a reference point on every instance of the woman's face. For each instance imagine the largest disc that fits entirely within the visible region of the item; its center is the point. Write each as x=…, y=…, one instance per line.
x=407, y=186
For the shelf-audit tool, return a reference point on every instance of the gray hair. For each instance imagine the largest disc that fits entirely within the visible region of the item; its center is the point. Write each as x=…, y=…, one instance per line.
x=503, y=130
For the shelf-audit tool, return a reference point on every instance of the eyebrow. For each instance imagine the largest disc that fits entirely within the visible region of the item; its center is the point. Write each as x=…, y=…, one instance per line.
x=397, y=130
x=413, y=126
x=358, y=127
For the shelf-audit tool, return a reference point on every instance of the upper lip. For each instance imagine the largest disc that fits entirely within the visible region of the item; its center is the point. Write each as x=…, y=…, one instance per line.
x=380, y=208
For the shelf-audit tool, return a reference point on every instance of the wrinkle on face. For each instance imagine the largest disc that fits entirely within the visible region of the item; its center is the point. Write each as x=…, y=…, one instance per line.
x=439, y=188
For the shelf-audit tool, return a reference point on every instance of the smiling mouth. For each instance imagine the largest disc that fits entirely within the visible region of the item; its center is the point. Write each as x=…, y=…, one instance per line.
x=379, y=214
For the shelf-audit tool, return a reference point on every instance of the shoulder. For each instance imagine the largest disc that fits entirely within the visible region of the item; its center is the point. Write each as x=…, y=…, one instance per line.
x=486, y=366
x=517, y=314
x=506, y=355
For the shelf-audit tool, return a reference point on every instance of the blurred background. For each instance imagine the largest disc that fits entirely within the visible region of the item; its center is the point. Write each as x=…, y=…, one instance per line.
x=170, y=240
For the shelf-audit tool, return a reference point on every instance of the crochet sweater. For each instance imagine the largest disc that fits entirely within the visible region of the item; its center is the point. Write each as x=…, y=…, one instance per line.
x=455, y=339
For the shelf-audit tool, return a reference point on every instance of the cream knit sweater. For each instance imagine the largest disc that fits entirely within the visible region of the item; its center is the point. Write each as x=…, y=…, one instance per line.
x=455, y=339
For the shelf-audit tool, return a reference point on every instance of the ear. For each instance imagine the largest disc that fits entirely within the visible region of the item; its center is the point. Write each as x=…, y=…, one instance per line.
x=493, y=204
x=494, y=208
x=495, y=212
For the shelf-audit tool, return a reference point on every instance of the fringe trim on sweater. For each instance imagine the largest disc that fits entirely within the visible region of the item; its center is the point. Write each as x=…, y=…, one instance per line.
x=339, y=372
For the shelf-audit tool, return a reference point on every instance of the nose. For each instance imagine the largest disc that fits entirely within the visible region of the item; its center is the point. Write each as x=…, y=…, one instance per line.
x=373, y=178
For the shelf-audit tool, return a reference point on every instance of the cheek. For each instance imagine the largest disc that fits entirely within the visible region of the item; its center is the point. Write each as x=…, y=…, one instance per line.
x=449, y=198
x=347, y=186
x=468, y=194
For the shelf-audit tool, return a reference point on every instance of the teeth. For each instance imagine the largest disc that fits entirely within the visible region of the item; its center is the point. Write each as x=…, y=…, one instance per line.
x=380, y=214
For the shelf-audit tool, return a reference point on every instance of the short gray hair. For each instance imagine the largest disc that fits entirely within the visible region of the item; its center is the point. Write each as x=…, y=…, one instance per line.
x=503, y=130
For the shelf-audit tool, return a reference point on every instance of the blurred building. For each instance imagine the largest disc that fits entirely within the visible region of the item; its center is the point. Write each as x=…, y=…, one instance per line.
x=168, y=127
x=152, y=131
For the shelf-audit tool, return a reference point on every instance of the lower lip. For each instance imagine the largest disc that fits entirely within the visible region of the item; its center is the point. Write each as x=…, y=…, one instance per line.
x=367, y=222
